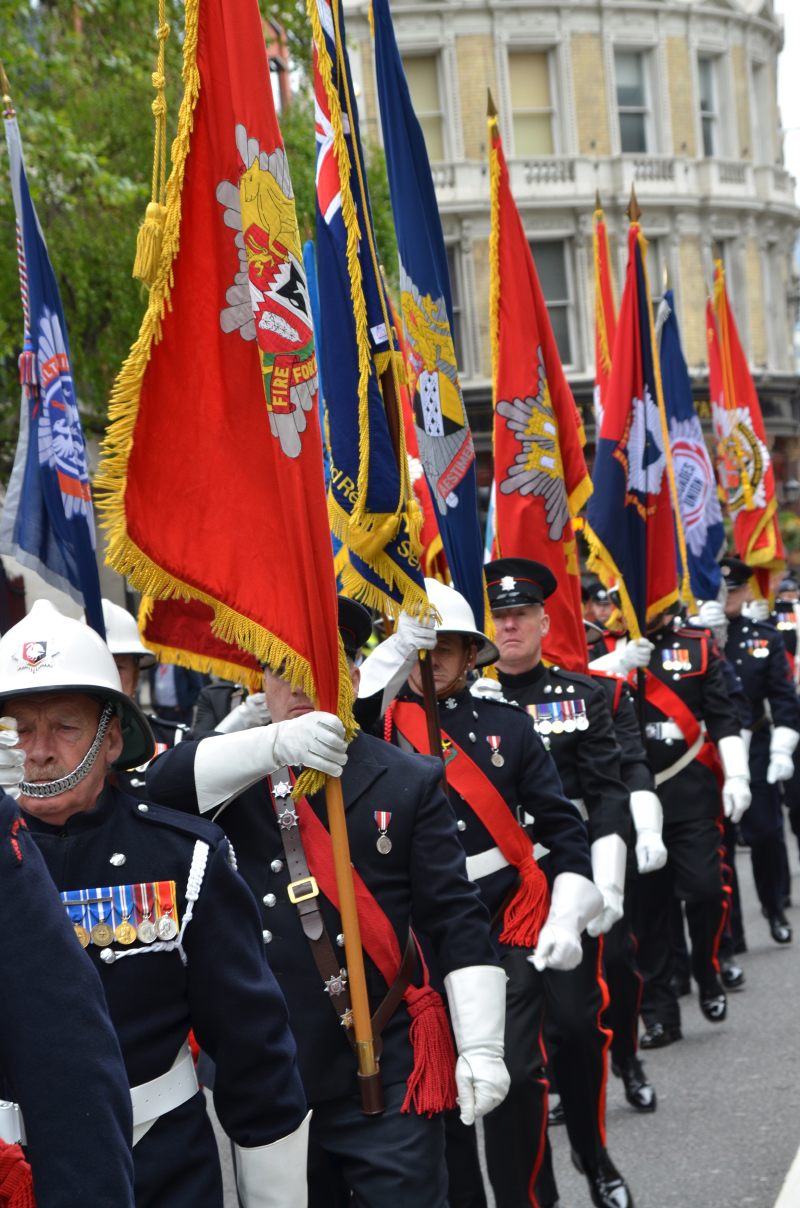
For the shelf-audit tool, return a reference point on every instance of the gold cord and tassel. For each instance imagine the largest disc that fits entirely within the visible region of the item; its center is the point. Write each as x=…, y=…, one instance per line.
x=151, y=232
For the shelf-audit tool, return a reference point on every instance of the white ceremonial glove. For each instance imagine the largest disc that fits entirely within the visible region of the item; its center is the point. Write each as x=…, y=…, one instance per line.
x=12, y=759
x=781, y=748
x=390, y=664
x=574, y=901
x=609, y=856
x=756, y=610
x=274, y=1176
x=413, y=635
x=487, y=689
x=637, y=654
x=710, y=615
x=648, y=819
x=227, y=765
x=250, y=713
x=736, y=795
x=477, y=999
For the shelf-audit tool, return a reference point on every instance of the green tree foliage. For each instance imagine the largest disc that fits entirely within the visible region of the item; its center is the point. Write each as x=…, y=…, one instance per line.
x=80, y=75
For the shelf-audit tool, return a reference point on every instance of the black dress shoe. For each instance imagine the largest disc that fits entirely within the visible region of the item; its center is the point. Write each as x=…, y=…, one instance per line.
x=607, y=1187
x=739, y=946
x=714, y=1004
x=779, y=928
x=638, y=1091
x=680, y=986
x=555, y=1114
x=731, y=973
x=659, y=1035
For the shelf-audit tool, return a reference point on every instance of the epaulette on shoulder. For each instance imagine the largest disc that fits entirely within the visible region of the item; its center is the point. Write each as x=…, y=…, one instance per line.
x=694, y=631
x=187, y=824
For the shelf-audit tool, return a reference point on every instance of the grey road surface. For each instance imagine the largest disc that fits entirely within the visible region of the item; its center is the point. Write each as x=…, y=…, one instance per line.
x=728, y=1121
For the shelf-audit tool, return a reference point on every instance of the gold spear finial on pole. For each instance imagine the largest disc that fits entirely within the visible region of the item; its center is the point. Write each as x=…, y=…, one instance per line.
x=666, y=274
x=633, y=212
x=598, y=205
x=8, y=110
x=491, y=108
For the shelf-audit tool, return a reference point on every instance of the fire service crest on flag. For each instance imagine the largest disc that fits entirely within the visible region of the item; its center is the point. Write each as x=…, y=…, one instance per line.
x=268, y=301
x=738, y=441
x=443, y=435
x=537, y=469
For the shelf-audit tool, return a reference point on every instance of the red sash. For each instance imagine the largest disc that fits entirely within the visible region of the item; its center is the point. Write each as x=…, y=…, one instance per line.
x=528, y=910
x=669, y=703
x=432, y=1085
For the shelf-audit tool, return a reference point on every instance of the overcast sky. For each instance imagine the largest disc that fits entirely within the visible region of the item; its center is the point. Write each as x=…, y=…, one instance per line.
x=789, y=84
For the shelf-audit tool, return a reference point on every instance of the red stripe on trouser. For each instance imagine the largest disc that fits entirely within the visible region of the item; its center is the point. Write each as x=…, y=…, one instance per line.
x=640, y=980
x=601, y=1105
x=537, y=1165
x=727, y=898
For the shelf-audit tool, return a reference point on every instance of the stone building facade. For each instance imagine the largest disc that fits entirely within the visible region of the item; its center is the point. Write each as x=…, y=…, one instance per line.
x=676, y=97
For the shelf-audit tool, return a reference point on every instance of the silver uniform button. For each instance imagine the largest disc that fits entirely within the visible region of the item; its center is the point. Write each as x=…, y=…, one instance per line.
x=741, y=645
x=558, y=690
x=144, y=808
x=340, y=940
x=745, y=629
x=472, y=737
x=269, y=899
x=462, y=826
x=117, y=859
x=267, y=937
x=570, y=688
x=474, y=714
x=739, y=661
x=548, y=688
x=676, y=676
x=277, y=865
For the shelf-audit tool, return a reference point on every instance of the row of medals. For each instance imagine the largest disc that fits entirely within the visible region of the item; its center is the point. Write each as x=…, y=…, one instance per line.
x=570, y=724
x=102, y=934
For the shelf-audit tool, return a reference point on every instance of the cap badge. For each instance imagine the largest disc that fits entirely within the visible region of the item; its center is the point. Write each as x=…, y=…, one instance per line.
x=508, y=583
x=30, y=656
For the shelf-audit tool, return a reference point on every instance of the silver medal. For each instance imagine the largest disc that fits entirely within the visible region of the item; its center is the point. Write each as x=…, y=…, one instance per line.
x=146, y=931
x=545, y=727
x=582, y=722
x=497, y=759
x=384, y=845
x=570, y=725
x=166, y=927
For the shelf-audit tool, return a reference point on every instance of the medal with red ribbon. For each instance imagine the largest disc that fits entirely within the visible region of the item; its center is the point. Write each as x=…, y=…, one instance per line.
x=382, y=820
x=494, y=742
x=166, y=925
x=143, y=897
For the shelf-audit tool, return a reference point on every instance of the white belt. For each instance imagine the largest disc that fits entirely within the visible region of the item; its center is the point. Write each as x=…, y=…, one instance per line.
x=487, y=862
x=149, y=1101
x=580, y=806
x=664, y=729
x=684, y=761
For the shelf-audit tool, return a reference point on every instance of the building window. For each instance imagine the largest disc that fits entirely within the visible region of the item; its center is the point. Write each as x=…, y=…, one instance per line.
x=631, y=100
x=454, y=267
x=763, y=124
x=531, y=108
x=422, y=73
x=550, y=259
x=708, y=105
x=655, y=273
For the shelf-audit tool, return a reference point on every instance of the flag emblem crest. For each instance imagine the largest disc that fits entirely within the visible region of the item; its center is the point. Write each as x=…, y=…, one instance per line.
x=537, y=469
x=641, y=450
x=738, y=439
x=445, y=441
x=694, y=479
x=60, y=440
x=269, y=301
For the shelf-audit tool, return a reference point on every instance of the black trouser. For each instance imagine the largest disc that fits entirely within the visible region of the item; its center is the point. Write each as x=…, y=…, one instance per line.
x=762, y=831
x=176, y=1163
x=693, y=873
x=358, y=1161
x=733, y=929
x=623, y=979
x=790, y=790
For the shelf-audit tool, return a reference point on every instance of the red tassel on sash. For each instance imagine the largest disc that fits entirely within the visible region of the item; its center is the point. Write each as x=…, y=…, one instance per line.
x=528, y=910
x=432, y=1085
x=16, y=1180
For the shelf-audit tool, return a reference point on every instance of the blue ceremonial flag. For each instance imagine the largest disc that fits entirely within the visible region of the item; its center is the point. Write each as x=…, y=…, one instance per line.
x=47, y=522
x=440, y=419
x=694, y=475
x=371, y=503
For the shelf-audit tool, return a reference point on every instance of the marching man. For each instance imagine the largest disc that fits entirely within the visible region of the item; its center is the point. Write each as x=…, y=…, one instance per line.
x=168, y=924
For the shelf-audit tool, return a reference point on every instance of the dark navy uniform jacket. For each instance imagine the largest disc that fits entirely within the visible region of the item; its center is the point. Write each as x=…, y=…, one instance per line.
x=634, y=768
x=422, y=876
x=783, y=618
x=166, y=734
x=527, y=781
x=59, y=1057
x=587, y=757
x=214, y=704
x=700, y=683
x=225, y=993
x=758, y=654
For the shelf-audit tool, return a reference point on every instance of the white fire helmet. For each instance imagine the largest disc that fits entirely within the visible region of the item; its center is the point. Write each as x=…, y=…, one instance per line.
x=457, y=617
x=122, y=634
x=47, y=652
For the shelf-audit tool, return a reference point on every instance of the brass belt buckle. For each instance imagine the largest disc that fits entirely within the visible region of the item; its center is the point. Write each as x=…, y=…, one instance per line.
x=295, y=898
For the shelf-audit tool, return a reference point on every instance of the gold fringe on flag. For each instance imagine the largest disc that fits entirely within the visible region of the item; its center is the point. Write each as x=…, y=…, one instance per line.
x=254, y=680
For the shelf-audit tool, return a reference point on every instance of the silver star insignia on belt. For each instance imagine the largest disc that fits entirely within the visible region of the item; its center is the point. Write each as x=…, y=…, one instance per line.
x=287, y=819
x=281, y=789
x=336, y=985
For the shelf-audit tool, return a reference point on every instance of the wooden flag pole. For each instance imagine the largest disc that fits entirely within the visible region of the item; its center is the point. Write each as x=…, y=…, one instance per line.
x=369, y=1078
x=425, y=665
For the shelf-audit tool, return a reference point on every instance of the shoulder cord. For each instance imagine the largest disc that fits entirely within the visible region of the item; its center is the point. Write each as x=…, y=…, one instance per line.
x=232, y=861
x=193, y=886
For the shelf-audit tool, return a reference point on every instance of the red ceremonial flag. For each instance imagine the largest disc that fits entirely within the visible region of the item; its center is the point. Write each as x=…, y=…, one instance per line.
x=180, y=632
x=744, y=464
x=540, y=473
x=214, y=467
x=605, y=315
